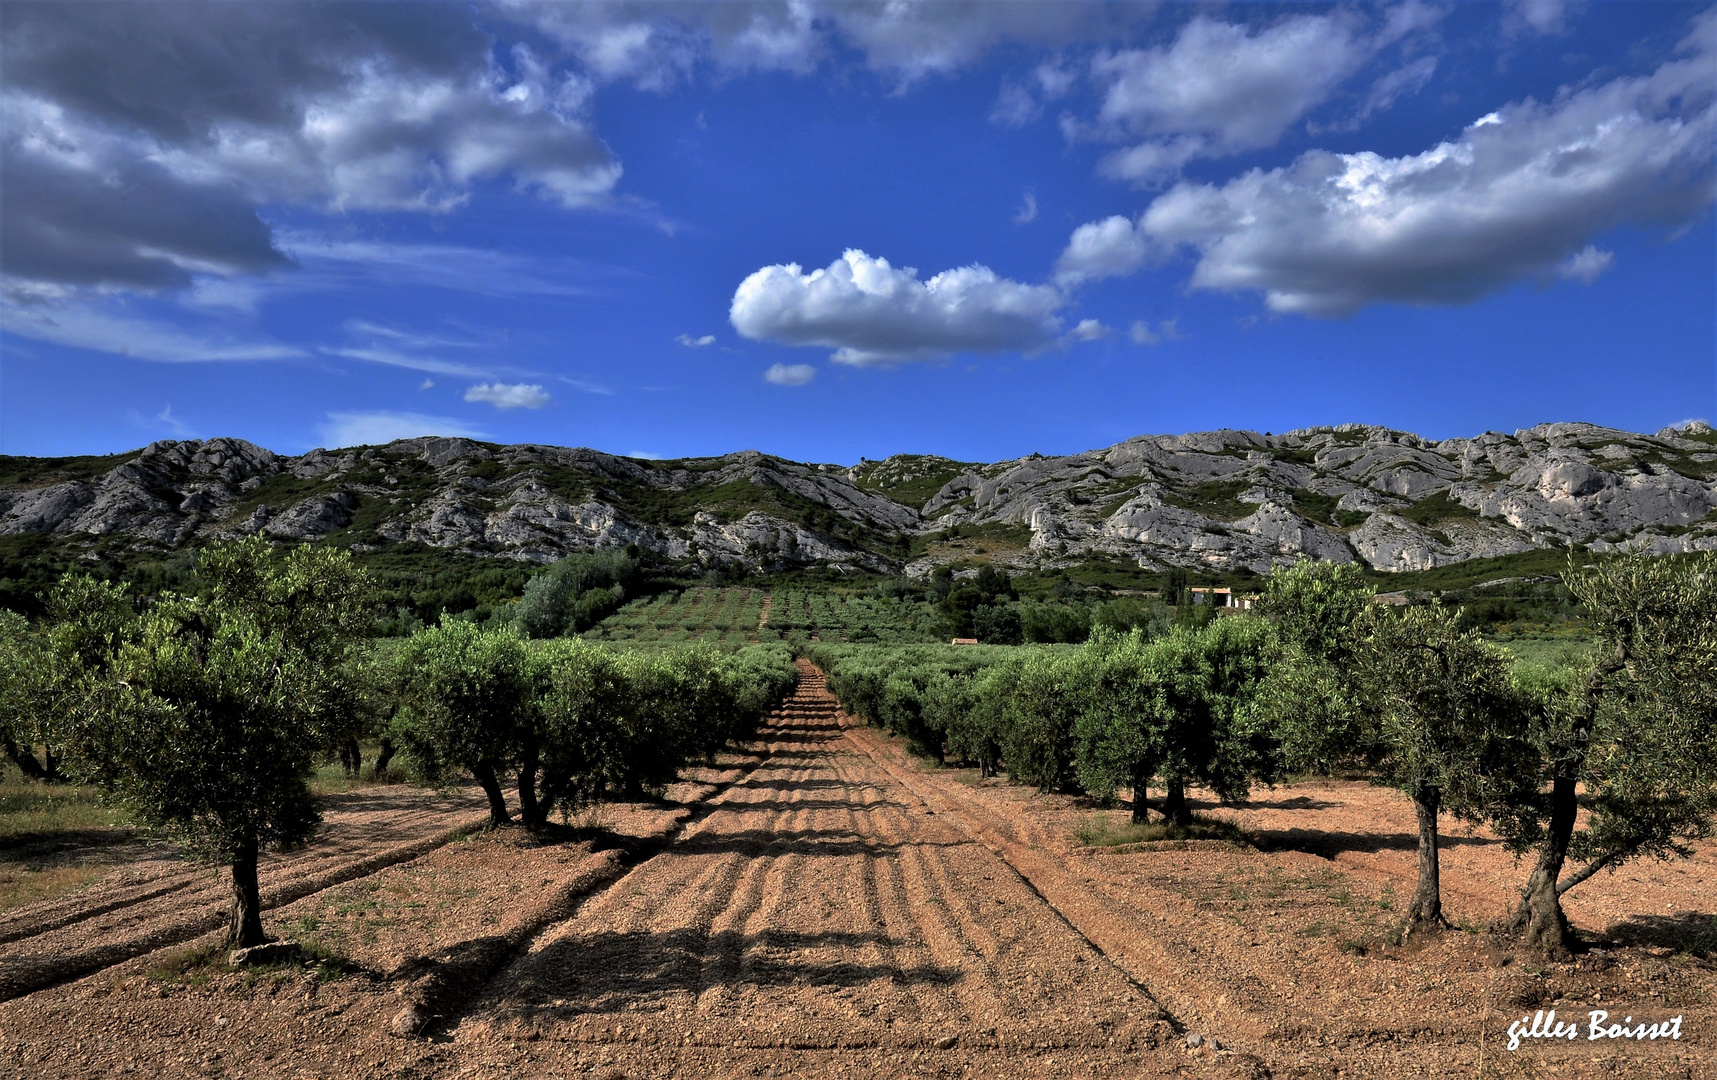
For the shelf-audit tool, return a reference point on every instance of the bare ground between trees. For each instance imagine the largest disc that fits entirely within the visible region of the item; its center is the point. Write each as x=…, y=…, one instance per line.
x=830, y=906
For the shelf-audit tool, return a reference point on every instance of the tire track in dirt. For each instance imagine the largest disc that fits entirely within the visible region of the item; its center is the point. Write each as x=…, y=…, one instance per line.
x=180, y=901
x=817, y=906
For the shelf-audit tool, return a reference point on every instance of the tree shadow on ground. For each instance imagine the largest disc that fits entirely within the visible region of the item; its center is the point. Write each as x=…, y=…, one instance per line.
x=1300, y=802
x=612, y=971
x=1689, y=932
x=1328, y=843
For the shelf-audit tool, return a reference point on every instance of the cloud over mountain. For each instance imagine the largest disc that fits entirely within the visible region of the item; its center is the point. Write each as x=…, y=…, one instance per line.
x=1520, y=194
x=869, y=312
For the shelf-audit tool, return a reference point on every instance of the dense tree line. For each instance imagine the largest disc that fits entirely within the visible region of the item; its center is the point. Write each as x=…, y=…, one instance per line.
x=1321, y=679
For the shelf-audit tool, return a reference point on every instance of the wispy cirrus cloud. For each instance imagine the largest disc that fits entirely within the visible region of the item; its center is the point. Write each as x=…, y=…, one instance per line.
x=410, y=361
x=99, y=327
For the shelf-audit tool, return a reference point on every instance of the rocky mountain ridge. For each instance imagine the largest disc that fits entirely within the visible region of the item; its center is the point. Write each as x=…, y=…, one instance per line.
x=1219, y=500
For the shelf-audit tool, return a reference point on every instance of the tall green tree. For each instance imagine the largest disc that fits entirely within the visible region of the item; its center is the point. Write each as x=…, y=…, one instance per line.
x=216, y=706
x=1635, y=726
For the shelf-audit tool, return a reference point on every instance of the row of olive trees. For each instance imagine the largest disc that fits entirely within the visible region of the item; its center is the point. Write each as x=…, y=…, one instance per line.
x=572, y=722
x=203, y=716
x=1326, y=680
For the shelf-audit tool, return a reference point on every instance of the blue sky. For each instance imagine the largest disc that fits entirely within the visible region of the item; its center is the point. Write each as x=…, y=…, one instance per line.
x=834, y=230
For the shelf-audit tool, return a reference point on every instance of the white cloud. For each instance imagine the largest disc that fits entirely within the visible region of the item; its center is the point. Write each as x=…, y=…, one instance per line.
x=1586, y=264
x=1140, y=333
x=1089, y=330
x=1027, y=212
x=790, y=374
x=871, y=312
x=84, y=325
x=1538, y=16
x=508, y=395
x=695, y=342
x=409, y=361
x=140, y=144
x=656, y=45
x=379, y=428
x=1224, y=88
x=1015, y=106
x=1109, y=248
x=425, y=384
x=1517, y=195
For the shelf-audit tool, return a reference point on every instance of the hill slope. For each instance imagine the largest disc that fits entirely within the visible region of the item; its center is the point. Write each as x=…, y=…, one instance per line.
x=1218, y=500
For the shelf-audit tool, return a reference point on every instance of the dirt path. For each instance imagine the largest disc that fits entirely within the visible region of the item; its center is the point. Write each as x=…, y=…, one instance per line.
x=820, y=919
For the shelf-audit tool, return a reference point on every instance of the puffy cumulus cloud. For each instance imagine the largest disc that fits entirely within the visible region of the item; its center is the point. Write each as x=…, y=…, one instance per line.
x=1112, y=247
x=1222, y=88
x=695, y=342
x=508, y=395
x=379, y=428
x=657, y=44
x=1089, y=330
x=197, y=113
x=870, y=312
x=790, y=374
x=1519, y=195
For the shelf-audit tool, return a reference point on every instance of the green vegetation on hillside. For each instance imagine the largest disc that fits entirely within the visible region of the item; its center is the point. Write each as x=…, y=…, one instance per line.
x=910, y=479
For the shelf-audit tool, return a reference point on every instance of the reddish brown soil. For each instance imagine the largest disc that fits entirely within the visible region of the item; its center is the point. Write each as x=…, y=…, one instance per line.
x=828, y=906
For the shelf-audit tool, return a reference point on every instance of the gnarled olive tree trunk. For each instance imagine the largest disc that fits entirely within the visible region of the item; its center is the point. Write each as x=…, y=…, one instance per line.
x=1175, y=807
x=491, y=785
x=1425, y=909
x=244, y=926
x=1141, y=805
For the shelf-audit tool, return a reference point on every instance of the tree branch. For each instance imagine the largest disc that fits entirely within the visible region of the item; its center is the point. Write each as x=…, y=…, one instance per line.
x=1609, y=858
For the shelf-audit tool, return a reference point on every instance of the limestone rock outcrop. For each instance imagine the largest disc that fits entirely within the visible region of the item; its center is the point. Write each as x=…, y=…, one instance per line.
x=1214, y=500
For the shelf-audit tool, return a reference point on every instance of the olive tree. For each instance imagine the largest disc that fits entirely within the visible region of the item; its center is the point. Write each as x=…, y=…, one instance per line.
x=1178, y=707
x=1632, y=727
x=49, y=674
x=579, y=728
x=1043, y=692
x=1448, y=730
x=214, y=707
x=28, y=693
x=1427, y=708
x=463, y=692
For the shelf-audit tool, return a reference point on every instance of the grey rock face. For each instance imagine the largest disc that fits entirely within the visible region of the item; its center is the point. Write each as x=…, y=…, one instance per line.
x=1217, y=500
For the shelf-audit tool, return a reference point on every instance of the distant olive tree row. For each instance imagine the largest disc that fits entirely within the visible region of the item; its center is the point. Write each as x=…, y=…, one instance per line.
x=1322, y=679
